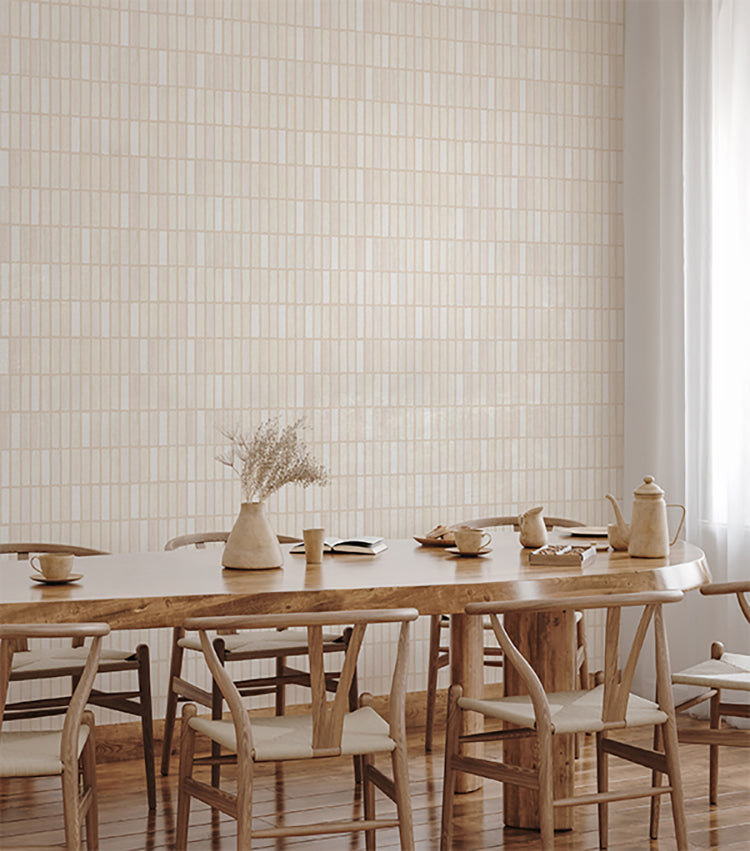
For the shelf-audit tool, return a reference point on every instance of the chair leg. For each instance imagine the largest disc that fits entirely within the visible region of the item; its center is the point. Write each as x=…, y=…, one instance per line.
x=452, y=733
x=602, y=785
x=546, y=788
x=147, y=720
x=244, y=802
x=671, y=752
x=88, y=772
x=175, y=669
x=400, y=765
x=353, y=704
x=187, y=749
x=368, y=799
x=432, y=676
x=217, y=706
x=582, y=645
x=217, y=710
x=280, y=700
x=656, y=778
x=669, y=730
x=713, y=751
x=582, y=660
x=71, y=808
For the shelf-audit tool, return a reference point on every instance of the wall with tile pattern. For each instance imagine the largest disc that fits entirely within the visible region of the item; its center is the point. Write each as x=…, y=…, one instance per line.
x=401, y=220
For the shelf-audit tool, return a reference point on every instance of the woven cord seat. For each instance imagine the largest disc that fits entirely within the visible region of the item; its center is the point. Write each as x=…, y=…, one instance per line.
x=285, y=737
x=264, y=645
x=35, y=754
x=730, y=670
x=570, y=711
x=65, y=660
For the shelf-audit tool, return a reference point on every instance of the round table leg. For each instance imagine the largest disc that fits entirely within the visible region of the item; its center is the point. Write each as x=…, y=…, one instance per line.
x=467, y=670
x=547, y=640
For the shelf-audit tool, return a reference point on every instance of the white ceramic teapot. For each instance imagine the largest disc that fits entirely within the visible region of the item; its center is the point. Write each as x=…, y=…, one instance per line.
x=647, y=534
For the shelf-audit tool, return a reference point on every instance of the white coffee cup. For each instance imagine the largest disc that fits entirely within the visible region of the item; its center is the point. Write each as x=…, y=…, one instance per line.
x=53, y=566
x=313, y=539
x=470, y=540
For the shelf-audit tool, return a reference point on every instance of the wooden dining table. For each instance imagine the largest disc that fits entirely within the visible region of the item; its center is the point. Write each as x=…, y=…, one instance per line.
x=162, y=589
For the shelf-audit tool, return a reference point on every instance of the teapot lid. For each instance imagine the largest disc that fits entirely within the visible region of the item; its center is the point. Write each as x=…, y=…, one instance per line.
x=649, y=488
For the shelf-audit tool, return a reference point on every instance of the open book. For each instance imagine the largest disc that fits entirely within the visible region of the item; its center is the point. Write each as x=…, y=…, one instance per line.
x=365, y=544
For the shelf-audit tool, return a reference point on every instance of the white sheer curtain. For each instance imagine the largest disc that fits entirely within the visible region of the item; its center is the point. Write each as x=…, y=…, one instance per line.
x=726, y=516
x=687, y=255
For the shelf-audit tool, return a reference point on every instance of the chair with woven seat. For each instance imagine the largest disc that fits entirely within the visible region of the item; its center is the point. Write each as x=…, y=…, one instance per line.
x=603, y=710
x=438, y=655
x=330, y=729
x=723, y=671
x=35, y=664
x=275, y=645
x=65, y=753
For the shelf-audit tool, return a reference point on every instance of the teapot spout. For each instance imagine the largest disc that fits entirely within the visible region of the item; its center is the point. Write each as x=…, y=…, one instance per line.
x=622, y=527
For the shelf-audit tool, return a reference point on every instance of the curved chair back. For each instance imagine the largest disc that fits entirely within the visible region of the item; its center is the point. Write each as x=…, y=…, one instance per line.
x=740, y=589
x=549, y=522
x=24, y=550
x=200, y=539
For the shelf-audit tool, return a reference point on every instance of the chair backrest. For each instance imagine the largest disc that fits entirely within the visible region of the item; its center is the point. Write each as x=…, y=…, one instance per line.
x=328, y=715
x=617, y=680
x=200, y=539
x=549, y=522
x=24, y=550
x=740, y=589
x=13, y=634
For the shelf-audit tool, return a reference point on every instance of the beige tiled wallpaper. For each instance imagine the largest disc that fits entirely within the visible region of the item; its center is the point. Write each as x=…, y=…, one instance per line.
x=400, y=219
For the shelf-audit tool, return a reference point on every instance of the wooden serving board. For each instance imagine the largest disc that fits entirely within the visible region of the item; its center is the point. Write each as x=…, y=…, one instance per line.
x=564, y=556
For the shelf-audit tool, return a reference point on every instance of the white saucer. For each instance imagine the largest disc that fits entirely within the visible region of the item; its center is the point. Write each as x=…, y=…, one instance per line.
x=588, y=531
x=457, y=552
x=74, y=577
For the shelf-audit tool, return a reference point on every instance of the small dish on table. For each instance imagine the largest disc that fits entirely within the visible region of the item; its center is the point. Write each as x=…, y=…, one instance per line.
x=440, y=536
x=73, y=577
x=455, y=551
x=434, y=542
x=587, y=531
x=596, y=535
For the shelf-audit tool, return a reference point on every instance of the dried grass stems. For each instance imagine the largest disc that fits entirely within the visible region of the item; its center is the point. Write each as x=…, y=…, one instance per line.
x=271, y=458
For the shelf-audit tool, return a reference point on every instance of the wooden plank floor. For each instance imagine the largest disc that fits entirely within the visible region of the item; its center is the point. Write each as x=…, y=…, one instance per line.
x=31, y=811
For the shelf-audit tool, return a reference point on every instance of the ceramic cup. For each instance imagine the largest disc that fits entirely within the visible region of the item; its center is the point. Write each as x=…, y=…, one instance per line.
x=53, y=566
x=313, y=539
x=471, y=540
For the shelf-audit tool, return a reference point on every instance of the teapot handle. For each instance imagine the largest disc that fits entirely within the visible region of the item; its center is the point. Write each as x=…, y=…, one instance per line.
x=682, y=520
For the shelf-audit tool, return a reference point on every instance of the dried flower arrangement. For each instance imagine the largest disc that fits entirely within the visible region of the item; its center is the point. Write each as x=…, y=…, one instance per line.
x=271, y=458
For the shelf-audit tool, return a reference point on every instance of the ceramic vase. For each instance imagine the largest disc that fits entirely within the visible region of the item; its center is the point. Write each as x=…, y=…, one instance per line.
x=252, y=544
x=532, y=528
